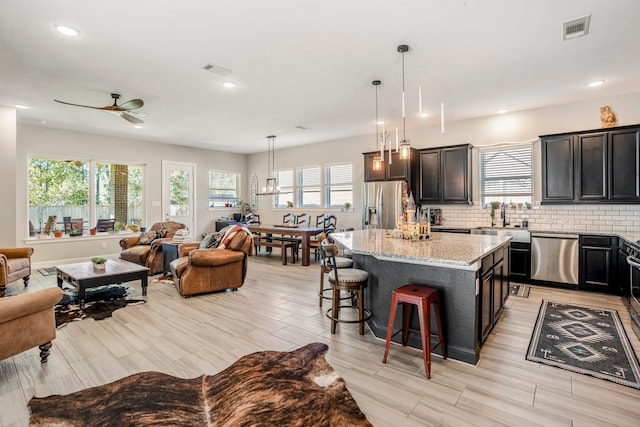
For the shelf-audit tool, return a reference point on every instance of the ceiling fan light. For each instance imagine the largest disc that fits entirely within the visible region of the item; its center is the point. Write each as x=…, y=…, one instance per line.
x=67, y=31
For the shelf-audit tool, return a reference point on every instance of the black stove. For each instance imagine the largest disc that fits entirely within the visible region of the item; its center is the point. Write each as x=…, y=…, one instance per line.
x=631, y=281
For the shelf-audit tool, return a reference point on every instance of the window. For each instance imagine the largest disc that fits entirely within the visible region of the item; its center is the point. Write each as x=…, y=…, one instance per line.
x=284, y=199
x=308, y=190
x=338, y=188
x=224, y=188
x=119, y=192
x=90, y=190
x=506, y=175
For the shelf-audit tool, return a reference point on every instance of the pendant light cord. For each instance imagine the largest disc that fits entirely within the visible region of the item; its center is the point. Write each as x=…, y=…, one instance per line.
x=404, y=130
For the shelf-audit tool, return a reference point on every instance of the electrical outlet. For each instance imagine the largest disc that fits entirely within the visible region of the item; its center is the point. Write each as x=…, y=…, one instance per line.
x=103, y=244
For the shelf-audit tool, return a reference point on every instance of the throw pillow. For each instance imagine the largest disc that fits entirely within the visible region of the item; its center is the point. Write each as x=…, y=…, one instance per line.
x=211, y=240
x=147, y=237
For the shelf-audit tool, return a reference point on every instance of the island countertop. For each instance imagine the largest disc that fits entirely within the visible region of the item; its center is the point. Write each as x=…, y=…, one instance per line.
x=461, y=251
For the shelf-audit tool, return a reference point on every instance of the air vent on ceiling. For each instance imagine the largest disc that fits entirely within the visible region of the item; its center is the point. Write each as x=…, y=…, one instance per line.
x=576, y=27
x=216, y=69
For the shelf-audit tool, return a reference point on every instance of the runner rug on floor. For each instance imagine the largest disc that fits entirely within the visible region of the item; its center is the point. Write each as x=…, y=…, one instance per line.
x=586, y=340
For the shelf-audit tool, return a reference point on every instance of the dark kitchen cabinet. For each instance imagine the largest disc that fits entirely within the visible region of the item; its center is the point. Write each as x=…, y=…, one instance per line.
x=520, y=262
x=429, y=187
x=600, y=166
x=557, y=169
x=597, y=264
x=444, y=175
x=624, y=158
x=371, y=174
x=397, y=170
x=494, y=289
x=591, y=166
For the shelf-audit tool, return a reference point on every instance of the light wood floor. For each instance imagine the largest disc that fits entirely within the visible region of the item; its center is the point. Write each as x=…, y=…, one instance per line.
x=277, y=309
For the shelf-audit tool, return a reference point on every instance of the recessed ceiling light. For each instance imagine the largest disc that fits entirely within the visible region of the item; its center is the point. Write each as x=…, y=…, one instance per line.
x=596, y=83
x=21, y=107
x=424, y=115
x=67, y=31
x=229, y=85
x=502, y=111
x=137, y=126
x=380, y=122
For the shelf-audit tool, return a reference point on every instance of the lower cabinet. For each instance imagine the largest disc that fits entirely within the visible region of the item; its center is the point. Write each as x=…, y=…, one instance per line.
x=597, y=261
x=520, y=262
x=494, y=289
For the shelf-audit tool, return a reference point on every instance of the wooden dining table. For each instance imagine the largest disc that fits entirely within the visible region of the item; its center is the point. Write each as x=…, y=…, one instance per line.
x=304, y=233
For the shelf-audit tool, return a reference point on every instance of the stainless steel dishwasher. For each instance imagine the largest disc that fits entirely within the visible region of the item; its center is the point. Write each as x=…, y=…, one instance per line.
x=554, y=257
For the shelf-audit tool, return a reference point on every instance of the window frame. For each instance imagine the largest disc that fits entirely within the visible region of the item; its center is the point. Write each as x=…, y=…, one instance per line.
x=328, y=185
x=92, y=206
x=301, y=188
x=284, y=190
x=506, y=197
x=238, y=189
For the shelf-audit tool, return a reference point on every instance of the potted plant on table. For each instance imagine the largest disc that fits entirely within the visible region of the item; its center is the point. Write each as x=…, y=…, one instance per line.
x=99, y=263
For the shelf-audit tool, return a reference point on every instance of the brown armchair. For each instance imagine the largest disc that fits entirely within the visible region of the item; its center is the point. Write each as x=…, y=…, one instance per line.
x=15, y=263
x=28, y=320
x=149, y=255
x=199, y=271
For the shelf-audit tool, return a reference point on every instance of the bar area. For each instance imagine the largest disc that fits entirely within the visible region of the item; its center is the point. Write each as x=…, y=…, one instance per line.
x=469, y=271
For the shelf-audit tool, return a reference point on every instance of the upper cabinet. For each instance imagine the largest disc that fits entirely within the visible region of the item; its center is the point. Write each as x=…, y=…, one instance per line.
x=445, y=175
x=396, y=170
x=592, y=166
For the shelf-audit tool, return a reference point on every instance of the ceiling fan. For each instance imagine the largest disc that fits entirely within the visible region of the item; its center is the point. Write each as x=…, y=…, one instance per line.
x=122, y=110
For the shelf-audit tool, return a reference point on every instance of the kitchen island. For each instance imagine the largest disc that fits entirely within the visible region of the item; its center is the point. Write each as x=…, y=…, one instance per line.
x=469, y=271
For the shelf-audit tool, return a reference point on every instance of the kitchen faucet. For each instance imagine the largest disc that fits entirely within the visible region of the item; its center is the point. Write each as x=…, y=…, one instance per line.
x=503, y=215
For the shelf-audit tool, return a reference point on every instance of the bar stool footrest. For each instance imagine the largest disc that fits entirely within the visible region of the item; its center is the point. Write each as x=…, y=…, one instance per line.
x=367, y=315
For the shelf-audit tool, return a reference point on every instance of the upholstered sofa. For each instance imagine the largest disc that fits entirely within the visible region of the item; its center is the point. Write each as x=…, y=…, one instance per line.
x=15, y=263
x=149, y=255
x=28, y=320
x=199, y=271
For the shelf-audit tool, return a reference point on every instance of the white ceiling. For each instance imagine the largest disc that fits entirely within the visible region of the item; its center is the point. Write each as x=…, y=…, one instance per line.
x=304, y=63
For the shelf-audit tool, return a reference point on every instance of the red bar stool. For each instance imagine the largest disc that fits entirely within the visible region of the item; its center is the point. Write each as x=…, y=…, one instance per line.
x=422, y=297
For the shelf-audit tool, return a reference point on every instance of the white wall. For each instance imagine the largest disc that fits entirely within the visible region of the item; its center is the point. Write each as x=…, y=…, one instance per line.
x=37, y=140
x=7, y=176
x=481, y=132
x=512, y=127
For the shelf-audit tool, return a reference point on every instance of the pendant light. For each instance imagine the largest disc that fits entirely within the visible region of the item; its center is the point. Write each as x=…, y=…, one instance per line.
x=405, y=147
x=379, y=159
x=272, y=186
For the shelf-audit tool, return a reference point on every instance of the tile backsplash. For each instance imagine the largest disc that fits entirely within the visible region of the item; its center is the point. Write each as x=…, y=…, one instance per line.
x=597, y=218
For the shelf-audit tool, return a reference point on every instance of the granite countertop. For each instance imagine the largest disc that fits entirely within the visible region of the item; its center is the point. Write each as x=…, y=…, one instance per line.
x=462, y=251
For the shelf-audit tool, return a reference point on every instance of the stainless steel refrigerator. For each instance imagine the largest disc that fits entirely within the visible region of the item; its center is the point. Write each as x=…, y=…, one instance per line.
x=382, y=204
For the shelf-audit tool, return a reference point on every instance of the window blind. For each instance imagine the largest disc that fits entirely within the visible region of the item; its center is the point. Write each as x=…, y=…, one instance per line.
x=506, y=175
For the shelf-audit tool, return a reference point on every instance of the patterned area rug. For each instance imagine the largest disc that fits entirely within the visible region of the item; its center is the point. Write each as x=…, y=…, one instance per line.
x=268, y=388
x=586, y=340
x=52, y=271
x=100, y=303
x=519, y=290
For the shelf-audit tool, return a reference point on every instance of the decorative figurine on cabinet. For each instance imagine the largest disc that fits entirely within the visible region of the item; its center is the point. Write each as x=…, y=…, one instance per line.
x=607, y=117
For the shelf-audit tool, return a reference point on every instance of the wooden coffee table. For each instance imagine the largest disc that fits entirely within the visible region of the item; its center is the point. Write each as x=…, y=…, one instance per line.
x=83, y=276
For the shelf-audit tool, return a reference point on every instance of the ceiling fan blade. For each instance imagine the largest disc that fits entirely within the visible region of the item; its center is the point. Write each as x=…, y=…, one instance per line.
x=79, y=105
x=128, y=117
x=131, y=105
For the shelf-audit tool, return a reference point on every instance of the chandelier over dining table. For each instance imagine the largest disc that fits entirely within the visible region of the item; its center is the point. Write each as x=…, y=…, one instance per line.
x=271, y=188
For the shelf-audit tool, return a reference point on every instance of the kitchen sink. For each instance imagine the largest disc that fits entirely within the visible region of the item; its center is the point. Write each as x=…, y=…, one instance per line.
x=518, y=234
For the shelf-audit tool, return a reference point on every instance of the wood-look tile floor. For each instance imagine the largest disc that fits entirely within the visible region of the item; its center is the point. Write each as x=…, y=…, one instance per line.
x=277, y=309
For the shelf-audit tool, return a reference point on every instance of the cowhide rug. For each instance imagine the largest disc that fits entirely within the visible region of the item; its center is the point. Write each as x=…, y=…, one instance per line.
x=100, y=303
x=269, y=388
